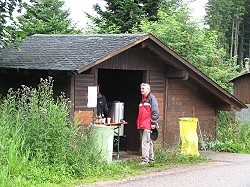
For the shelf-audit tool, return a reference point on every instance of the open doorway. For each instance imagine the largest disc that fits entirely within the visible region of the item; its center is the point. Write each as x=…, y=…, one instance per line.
x=124, y=86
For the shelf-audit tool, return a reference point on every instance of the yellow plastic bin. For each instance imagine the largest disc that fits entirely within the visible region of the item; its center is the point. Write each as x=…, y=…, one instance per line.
x=188, y=136
x=103, y=140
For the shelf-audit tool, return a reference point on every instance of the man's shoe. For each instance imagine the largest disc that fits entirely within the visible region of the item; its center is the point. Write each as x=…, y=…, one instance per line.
x=151, y=162
x=144, y=163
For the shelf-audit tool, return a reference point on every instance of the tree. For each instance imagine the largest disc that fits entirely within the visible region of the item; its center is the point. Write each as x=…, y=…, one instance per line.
x=120, y=16
x=231, y=19
x=199, y=46
x=8, y=31
x=46, y=18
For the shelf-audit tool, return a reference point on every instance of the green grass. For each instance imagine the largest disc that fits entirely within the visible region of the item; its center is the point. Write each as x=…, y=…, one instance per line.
x=165, y=159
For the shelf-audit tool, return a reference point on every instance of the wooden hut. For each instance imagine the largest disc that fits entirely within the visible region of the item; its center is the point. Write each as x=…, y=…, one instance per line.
x=241, y=87
x=119, y=63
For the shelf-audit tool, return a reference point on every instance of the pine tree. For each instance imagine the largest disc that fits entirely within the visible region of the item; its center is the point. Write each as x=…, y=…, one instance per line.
x=231, y=19
x=120, y=16
x=47, y=18
x=8, y=31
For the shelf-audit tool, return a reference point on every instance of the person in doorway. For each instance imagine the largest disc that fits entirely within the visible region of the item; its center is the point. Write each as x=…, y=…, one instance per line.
x=102, y=106
x=147, y=119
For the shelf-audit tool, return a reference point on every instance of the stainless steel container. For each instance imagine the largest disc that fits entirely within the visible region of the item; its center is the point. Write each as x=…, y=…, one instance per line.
x=116, y=112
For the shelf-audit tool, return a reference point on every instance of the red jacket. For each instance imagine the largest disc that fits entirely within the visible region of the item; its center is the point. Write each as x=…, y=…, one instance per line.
x=148, y=112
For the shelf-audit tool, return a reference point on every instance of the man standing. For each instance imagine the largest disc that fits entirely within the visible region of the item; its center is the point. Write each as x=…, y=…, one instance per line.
x=102, y=106
x=148, y=116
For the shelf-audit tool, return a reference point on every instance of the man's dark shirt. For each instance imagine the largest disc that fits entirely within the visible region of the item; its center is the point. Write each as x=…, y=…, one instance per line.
x=102, y=106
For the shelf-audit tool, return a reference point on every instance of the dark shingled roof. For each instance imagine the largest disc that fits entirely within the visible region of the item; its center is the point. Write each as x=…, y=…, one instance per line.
x=81, y=52
x=64, y=52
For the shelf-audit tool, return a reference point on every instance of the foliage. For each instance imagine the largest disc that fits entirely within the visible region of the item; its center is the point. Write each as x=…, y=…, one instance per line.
x=173, y=156
x=198, y=46
x=38, y=144
x=41, y=17
x=231, y=20
x=218, y=15
x=8, y=28
x=120, y=16
x=232, y=136
x=46, y=18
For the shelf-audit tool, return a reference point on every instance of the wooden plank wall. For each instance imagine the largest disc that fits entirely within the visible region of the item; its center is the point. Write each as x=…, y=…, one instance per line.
x=207, y=115
x=133, y=59
x=242, y=89
x=157, y=83
x=186, y=101
x=180, y=103
x=82, y=112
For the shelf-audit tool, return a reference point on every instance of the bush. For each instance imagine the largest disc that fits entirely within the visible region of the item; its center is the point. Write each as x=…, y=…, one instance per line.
x=38, y=142
x=232, y=136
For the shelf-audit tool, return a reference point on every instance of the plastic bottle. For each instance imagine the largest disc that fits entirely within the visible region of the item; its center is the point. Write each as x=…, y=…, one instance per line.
x=100, y=118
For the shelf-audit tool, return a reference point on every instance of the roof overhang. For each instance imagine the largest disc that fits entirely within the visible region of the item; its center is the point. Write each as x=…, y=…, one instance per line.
x=185, y=69
x=143, y=38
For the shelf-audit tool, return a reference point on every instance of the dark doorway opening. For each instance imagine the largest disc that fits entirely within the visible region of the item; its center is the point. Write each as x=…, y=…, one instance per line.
x=124, y=86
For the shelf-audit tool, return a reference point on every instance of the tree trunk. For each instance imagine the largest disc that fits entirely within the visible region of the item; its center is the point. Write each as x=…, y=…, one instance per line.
x=236, y=40
x=241, y=52
x=232, y=40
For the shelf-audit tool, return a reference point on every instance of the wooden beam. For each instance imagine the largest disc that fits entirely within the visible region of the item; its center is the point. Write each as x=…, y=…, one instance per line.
x=225, y=108
x=180, y=74
x=160, y=52
x=72, y=95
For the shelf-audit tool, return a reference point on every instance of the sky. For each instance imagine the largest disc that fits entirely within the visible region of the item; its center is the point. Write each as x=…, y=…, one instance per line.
x=198, y=8
x=78, y=7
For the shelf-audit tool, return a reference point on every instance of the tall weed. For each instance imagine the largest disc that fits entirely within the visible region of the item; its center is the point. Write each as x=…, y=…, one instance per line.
x=232, y=136
x=38, y=143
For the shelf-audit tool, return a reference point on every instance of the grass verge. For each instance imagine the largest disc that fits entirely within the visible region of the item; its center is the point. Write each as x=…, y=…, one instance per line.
x=124, y=169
